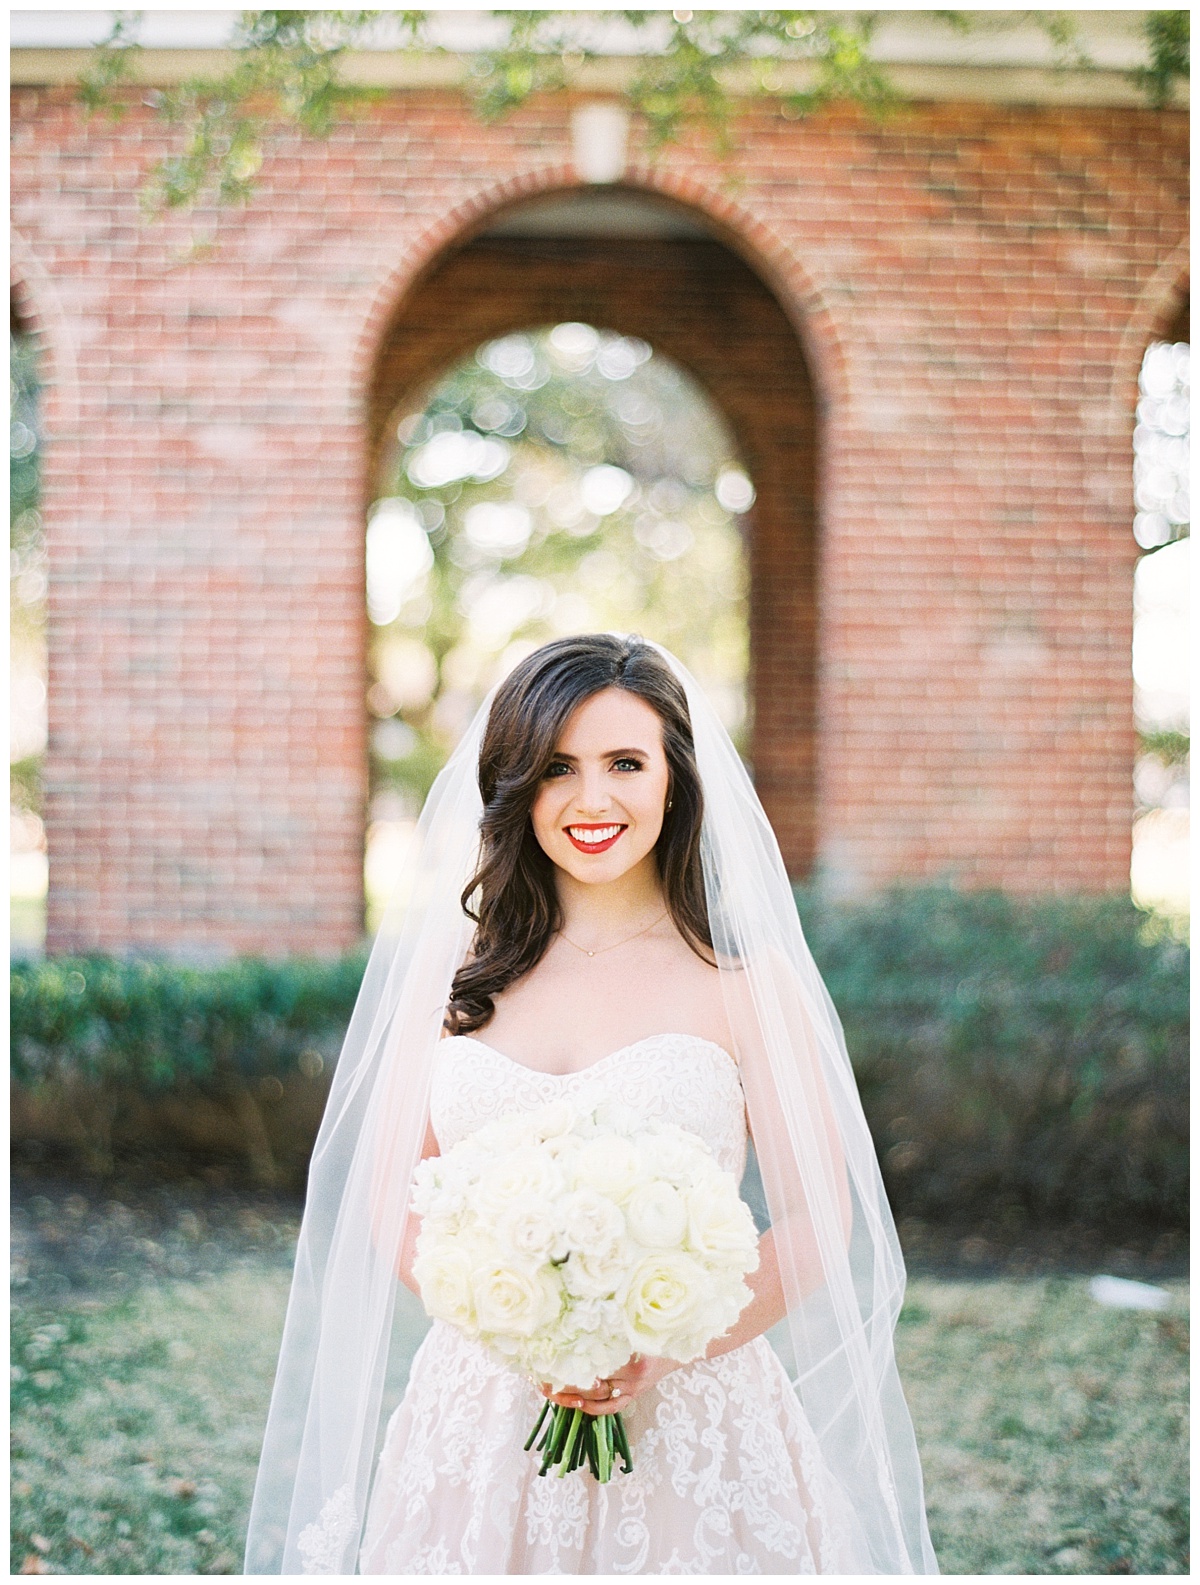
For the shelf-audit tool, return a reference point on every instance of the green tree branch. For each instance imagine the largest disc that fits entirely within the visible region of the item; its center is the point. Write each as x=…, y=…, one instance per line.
x=1168, y=36
x=287, y=73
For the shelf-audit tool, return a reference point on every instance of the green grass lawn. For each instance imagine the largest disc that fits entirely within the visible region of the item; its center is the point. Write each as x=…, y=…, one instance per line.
x=1053, y=1431
x=137, y=1426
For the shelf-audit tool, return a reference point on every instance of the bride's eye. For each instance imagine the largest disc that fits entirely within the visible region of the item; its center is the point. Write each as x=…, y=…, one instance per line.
x=555, y=769
x=627, y=762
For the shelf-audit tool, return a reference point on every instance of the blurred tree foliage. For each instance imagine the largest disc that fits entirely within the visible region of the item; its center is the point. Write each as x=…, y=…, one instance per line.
x=24, y=463
x=1171, y=747
x=1161, y=491
x=27, y=563
x=560, y=480
x=1169, y=41
x=288, y=65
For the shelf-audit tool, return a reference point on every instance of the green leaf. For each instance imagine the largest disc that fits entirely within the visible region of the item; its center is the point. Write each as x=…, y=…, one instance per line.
x=1168, y=37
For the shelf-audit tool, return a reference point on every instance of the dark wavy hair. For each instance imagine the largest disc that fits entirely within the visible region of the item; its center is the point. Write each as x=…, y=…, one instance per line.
x=511, y=895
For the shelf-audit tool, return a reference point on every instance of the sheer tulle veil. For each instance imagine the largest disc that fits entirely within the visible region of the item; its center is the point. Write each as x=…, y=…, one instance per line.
x=841, y=1266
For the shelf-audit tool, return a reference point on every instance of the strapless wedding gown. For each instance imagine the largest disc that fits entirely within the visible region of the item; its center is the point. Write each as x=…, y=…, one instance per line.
x=727, y=1476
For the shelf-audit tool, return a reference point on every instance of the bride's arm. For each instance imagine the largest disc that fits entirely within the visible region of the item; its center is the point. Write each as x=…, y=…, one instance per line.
x=780, y=1154
x=766, y=1307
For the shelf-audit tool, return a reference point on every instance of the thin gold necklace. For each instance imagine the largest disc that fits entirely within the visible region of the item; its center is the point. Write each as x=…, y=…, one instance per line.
x=612, y=946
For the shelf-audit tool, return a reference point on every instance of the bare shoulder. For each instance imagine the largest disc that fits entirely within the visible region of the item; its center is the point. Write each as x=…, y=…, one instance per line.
x=700, y=982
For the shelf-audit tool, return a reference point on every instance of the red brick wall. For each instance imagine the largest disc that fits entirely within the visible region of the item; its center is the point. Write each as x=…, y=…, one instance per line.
x=972, y=288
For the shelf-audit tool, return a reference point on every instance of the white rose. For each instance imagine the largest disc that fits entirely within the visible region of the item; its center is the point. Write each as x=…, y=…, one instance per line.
x=657, y=1215
x=673, y=1155
x=665, y=1297
x=711, y=1320
x=615, y=1117
x=593, y=1225
x=552, y=1120
x=609, y=1165
x=595, y=1275
x=720, y=1225
x=514, y=1301
x=532, y=1228
x=502, y=1134
x=443, y=1275
x=425, y=1187
x=521, y=1174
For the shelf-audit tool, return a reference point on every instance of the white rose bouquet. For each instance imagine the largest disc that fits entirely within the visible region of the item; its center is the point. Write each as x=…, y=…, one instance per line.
x=566, y=1241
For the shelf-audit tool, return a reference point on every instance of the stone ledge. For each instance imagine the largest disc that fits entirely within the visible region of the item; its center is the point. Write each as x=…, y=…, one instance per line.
x=412, y=71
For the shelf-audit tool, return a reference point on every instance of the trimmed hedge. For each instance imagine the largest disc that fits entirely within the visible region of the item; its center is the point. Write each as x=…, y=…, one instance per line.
x=113, y=1056
x=1017, y=1059
x=155, y=1024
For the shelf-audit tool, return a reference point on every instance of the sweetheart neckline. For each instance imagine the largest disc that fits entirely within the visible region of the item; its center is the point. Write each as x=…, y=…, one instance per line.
x=577, y=1073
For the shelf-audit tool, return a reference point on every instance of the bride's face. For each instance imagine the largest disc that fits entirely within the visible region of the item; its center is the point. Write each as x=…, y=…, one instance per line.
x=599, y=809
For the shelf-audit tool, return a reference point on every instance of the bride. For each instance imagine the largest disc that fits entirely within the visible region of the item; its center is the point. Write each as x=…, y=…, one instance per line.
x=625, y=931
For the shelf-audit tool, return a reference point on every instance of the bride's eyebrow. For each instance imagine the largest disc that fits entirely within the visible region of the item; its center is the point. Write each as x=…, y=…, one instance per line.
x=612, y=753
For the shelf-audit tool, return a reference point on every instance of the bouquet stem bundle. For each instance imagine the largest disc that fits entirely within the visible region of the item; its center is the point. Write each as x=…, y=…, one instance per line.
x=574, y=1438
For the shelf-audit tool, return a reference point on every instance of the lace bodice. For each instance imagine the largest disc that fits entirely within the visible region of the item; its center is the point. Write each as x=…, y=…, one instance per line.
x=675, y=1078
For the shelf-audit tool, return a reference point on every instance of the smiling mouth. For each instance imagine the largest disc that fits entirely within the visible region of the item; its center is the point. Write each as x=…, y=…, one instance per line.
x=594, y=839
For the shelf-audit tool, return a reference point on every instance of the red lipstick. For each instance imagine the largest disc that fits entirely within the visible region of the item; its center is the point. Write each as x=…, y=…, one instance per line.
x=594, y=847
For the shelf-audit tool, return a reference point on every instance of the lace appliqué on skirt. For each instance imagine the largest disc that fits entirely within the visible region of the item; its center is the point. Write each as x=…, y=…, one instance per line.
x=323, y=1543
x=727, y=1478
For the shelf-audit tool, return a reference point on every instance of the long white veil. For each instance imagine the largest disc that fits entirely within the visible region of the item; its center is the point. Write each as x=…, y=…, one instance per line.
x=840, y=1262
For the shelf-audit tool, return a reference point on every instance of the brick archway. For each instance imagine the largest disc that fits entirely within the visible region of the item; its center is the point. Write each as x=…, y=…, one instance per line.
x=694, y=299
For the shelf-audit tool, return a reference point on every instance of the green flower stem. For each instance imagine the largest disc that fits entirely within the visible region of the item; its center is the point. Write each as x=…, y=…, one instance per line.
x=562, y=1429
x=541, y=1417
x=570, y=1439
x=622, y=1443
x=566, y=1465
x=546, y=1445
x=554, y=1440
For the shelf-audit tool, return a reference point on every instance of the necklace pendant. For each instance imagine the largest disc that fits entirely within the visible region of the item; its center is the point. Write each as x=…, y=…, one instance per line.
x=591, y=954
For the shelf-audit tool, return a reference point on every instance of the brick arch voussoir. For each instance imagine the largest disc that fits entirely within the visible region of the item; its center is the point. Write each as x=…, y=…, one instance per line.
x=450, y=230
x=1153, y=315
x=1108, y=444
x=746, y=233
x=761, y=247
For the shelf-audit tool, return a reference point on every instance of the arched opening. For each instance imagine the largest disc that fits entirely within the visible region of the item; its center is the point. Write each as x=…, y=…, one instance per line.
x=27, y=629
x=1160, y=866
x=643, y=270
x=560, y=480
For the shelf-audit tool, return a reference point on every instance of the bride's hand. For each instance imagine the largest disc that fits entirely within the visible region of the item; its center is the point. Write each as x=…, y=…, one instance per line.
x=614, y=1393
